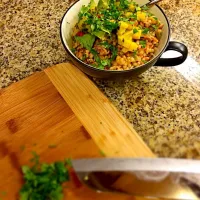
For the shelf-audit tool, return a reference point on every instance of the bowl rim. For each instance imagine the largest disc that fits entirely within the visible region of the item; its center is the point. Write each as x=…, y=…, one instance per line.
x=113, y=71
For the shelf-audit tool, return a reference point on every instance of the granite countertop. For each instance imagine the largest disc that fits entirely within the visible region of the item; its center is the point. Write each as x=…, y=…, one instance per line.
x=163, y=104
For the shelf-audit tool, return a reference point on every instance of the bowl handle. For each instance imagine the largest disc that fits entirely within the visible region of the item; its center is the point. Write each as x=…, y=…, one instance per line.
x=176, y=46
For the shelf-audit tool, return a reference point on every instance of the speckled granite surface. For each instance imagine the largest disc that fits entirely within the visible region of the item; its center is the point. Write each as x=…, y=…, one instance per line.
x=161, y=104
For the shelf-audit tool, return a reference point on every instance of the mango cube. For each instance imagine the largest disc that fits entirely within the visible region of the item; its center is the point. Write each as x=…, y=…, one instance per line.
x=132, y=7
x=123, y=25
x=141, y=16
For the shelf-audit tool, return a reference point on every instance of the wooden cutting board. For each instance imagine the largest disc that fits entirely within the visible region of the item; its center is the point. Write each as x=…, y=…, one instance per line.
x=35, y=117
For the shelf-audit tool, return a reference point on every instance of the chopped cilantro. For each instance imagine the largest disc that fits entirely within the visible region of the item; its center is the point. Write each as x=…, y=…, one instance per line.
x=86, y=40
x=135, y=30
x=102, y=153
x=134, y=16
x=105, y=44
x=138, y=8
x=124, y=4
x=114, y=52
x=97, y=59
x=155, y=18
x=112, y=48
x=145, y=7
x=143, y=43
x=154, y=26
x=134, y=53
x=83, y=11
x=145, y=31
x=106, y=62
x=45, y=182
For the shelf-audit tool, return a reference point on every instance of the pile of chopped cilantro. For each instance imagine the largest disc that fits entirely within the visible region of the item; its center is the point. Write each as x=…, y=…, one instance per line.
x=44, y=181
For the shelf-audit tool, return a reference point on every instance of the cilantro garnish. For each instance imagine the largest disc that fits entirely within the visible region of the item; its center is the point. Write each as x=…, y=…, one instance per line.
x=145, y=31
x=143, y=43
x=86, y=40
x=135, y=30
x=45, y=181
x=123, y=4
x=84, y=10
x=134, y=53
x=145, y=7
x=154, y=26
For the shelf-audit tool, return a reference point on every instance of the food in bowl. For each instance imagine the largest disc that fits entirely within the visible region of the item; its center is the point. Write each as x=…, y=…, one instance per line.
x=116, y=35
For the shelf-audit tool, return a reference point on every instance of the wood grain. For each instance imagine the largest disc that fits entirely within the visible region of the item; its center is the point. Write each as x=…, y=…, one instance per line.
x=33, y=116
x=108, y=128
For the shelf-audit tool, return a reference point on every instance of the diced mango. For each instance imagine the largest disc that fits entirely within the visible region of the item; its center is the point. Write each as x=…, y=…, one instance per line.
x=131, y=46
x=131, y=7
x=123, y=25
x=128, y=35
x=130, y=27
x=124, y=50
x=121, y=31
x=137, y=35
x=120, y=39
x=128, y=14
x=127, y=43
x=141, y=16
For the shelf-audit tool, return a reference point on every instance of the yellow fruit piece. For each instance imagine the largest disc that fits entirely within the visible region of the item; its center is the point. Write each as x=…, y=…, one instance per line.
x=128, y=14
x=128, y=35
x=130, y=27
x=121, y=31
x=123, y=25
x=132, y=7
x=138, y=34
x=131, y=46
x=120, y=39
x=141, y=16
x=124, y=50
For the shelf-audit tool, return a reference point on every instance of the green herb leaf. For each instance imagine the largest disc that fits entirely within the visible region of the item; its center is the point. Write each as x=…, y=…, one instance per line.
x=99, y=34
x=145, y=7
x=45, y=182
x=83, y=11
x=134, y=53
x=86, y=40
x=154, y=26
x=73, y=50
x=143, y=43
x=106, y=62
x=145, y=31
x=135, y=30
x=138, y=8
x=103, y=4
x=124, y=4
x=102, y=153
x=97, y=59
